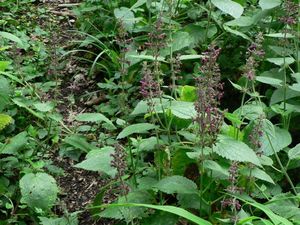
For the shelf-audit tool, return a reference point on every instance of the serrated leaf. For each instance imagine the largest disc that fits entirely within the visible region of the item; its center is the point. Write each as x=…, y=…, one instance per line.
x=93, y=117
x=234, y=150
x=230, y=7
x=99, y=160
x=269, y=80
x=281, y=61
x=79, y=142
x=5, y=120
x=126, y=16
x=294, y=153
x=269, y=4
x=280, y=35
x=44, y=106
x=218, y=172
x=257, y=173
x=138, y=128
x=15, y=144
x=38, y=190
x=176, y=184
x=279, y=141
x=183, y=110
x=236, y=32
x=11, y=37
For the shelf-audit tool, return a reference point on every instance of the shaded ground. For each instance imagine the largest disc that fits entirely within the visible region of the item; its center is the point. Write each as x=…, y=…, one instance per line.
x=78, y=187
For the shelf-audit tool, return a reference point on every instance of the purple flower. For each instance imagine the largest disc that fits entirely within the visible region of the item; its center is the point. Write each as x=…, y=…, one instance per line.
x=209, y=92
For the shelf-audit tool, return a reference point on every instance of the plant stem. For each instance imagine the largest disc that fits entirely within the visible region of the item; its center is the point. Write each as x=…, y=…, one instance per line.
x=283, y=170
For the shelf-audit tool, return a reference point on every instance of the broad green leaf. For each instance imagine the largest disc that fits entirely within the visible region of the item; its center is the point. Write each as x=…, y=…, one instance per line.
x=21, y=103
x=230, y=7
x=69, y=219
x=281, y=93
x=79, y=142
x=44, y=106
x=5, y=120
x=218, y=172
x=4, y=65
x=189, y=57
x=179, y=41
x=243, y=21
x=188, y=93
x=257, y=173
x=99, y=160
x=142, y=107
x=139, y=128
x=281, y=61
x=93, y=117
x=171, y=209
x=129, y=213
x=11, y=37
x=15, y=144
x=236, y=32
x=250, y=111
x=294, y=153
x=176, y=184
x=4, y=92
x=269, y=80
x=269, y=4
x=274, y=218
x=126, y=16
x=279, y=141
x=183, y=110
x=138, y=4
x=38, y=190
x=234, y=150
x=280, y=35
x=295, y=87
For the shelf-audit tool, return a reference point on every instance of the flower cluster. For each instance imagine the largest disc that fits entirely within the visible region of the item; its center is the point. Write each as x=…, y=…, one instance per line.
x=150, y=88
x=233, y=189
x=254, y=54
x=209, y=92
x=291, y=10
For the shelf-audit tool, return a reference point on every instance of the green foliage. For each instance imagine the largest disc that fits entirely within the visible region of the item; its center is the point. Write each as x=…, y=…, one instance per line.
x=38, y=190
x=5, y=120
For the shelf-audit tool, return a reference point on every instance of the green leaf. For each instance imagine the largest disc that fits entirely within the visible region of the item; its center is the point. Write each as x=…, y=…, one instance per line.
x=179, y=41
x=79, y=142
x=4, y=92
x=5, y=120
x=139, y=128
x=280, y=35
x=281, y=61
x=21, y=103
x=295, y=87
x=189, y=57
x=236, y=32
x=269, y=4
x=15, y=144
x=188, y=93
x=218, y=172
x=126, y=16
x=11, y=37
x=94, y=117
x=234, y=150
x=69, y=219
x=243, y=21
x=282, y=93
x=171, y=209
x=230, y=7
x=294, y=153
x=176, y=184
x=269, y=80
x=183, y=110
x=279, y=141
x=274, y=218
x=44, y=106
x=257, y=173
x=99, y=160
x=38, y=190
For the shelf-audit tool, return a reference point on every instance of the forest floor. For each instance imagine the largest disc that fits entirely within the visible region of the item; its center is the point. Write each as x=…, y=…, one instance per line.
x=78, y=187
